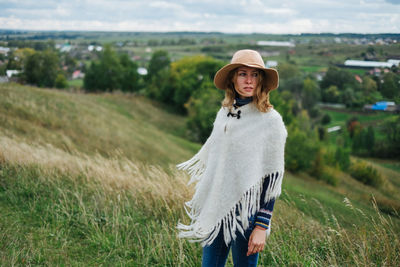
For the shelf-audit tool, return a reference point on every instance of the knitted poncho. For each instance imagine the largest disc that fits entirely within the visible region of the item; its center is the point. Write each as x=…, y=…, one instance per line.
x=245, y=146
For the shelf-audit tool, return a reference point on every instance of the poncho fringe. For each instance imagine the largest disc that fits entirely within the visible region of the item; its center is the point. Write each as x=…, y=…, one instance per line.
x=247, y=206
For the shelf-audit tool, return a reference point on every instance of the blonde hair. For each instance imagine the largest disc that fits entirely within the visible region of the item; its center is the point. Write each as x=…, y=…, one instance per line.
x=260, y=97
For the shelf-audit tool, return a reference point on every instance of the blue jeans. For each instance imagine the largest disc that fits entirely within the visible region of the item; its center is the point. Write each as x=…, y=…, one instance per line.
x=216, y=254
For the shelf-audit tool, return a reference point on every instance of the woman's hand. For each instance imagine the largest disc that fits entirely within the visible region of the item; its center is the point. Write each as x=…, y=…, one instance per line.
x=256, y=240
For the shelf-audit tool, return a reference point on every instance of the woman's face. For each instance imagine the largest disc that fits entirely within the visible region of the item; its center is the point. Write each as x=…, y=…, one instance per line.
x=246, y=81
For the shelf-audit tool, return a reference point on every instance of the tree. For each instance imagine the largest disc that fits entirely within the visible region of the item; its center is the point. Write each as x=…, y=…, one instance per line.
x=331, y=94
x=159, y=61
x=342, y=158
x=390, y=87
x=41, y=68
x=301, y=150
x=61, y=81
x=106, y=74
x=311, y=93
x=202, y=108
x=17, y=59
x=337, y=77
x=129, y=76
x=287, y=71
x=187, y=76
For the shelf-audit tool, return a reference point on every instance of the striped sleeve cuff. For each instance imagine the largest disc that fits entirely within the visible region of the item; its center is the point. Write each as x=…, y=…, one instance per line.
x=263, y=218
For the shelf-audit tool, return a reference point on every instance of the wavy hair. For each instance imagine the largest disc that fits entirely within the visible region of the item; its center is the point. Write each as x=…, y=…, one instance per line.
x=260, y=97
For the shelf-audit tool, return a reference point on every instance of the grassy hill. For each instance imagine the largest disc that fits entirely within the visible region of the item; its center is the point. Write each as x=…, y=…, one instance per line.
x=89, y=180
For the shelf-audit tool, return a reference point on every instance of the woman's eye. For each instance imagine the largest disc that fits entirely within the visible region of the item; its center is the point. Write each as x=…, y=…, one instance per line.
x=255, y=74
x=242, y=74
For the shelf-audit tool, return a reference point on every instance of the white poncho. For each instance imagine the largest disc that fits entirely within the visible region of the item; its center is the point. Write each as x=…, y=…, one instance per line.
x=230, y=169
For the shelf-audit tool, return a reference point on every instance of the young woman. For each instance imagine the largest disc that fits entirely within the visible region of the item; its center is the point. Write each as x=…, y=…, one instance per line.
x=239, y=169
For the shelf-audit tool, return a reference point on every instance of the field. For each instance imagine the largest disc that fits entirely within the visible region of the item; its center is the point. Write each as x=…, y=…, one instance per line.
x=89, y=179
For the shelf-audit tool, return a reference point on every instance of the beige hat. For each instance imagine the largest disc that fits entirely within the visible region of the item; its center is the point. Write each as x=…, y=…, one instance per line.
x=249, y=58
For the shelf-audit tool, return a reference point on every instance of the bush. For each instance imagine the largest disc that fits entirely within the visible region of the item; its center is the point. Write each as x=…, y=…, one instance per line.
x=328, y=177
x=61, y=81
x=301, y=151
x=388, y=206
x=326, y=119
x=342, y=158
x=366, y=174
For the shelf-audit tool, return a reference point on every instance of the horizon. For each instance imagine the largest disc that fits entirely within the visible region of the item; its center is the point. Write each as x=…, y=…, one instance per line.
x=202, y=32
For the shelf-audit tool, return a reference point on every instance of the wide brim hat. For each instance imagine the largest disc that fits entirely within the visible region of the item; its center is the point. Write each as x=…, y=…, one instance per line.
x=248, y=58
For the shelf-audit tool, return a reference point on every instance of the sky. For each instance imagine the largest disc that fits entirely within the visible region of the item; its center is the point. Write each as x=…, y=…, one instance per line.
x=229, y=16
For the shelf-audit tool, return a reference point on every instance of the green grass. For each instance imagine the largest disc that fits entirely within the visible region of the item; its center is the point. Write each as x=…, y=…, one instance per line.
x=55, y=218
x=341, y=117
x=88, y=179
x=107, y=124
x=78, y=83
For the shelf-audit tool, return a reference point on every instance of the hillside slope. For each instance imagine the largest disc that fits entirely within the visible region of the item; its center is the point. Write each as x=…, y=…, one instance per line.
x=111, y=125
x=89, y=180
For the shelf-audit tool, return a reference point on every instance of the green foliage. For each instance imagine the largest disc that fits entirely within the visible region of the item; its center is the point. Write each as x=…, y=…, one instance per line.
x=364, y=141
x=112, y=72
x=342, y=158
x=287, y=70
x=159, y=61
x=310, y=94
x=160, y=87
x=326, y=119
x=337, y=77
x=187, y=76
x=366, y=174
x=300, y=150
x=331, y=94
x=391, y=86
x=17, y=59
x=41, y=68
x=159, y=81
x=283, y=102
x=390, y=146
x=61, y=82
x=129, y=76
x=202, y=108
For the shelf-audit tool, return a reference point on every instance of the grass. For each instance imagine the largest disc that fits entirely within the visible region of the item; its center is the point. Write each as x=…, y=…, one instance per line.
x=67, y=198
x=77, y=83
x=110, y=125
x=341, y=117
x=59, y=218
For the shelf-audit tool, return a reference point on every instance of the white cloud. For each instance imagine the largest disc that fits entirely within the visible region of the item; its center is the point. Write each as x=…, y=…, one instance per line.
x=364, y=16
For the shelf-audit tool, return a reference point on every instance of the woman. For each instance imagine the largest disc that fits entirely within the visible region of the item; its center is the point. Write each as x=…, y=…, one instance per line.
x=239, y=170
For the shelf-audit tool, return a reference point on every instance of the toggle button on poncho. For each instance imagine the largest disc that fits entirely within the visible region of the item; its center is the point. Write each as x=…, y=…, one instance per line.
x=230, y=169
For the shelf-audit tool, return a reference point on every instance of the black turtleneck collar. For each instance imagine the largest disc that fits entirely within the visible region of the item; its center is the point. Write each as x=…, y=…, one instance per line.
x=242, y=101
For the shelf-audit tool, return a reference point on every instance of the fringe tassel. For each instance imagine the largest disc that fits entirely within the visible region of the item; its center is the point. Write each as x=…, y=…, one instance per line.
x=195, y=167
x=248, y=205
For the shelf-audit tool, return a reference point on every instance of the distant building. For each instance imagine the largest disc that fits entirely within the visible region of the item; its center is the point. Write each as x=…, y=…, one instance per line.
x=388, y=106
x=275, y=43
x=78, y=75
x=334, y=129
x=271, y=64
x=97, y=48
x=4, y=50
x=142, y=71
x=368, y=64
x=11, y=73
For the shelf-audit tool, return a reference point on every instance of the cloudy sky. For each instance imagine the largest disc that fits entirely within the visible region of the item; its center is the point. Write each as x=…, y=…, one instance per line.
x=242, y=16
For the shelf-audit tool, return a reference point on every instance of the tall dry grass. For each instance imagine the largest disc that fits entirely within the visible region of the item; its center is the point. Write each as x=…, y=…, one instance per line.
x=120, y=212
